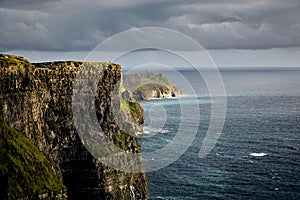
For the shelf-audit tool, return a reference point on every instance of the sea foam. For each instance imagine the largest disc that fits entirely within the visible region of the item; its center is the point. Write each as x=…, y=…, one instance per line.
x=258, y=154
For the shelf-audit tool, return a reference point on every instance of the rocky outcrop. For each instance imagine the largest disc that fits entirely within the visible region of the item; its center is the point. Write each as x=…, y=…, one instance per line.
x=132, y=115
x=36, y=99
x=146, y=86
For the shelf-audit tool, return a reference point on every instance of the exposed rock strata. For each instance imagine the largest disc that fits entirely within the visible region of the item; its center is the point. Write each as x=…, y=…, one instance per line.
x=37, y=100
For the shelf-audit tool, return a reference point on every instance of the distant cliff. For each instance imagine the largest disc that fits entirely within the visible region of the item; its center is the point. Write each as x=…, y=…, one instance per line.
x=146, y=86
x=36, y=100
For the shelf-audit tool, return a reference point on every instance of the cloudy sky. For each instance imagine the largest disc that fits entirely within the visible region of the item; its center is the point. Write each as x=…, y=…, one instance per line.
x=235, y=32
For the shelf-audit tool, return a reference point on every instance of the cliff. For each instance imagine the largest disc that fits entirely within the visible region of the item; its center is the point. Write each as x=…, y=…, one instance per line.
x=36, y=100
x=146, y=86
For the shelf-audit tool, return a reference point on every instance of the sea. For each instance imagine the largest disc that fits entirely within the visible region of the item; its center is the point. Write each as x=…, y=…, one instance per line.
x=257, y=153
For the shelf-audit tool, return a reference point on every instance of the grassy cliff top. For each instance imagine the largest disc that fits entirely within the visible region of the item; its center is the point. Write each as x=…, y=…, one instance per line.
x=24, y=170
x=12, y=60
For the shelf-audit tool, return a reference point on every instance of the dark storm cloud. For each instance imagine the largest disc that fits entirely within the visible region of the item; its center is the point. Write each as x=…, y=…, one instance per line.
x=71, y=25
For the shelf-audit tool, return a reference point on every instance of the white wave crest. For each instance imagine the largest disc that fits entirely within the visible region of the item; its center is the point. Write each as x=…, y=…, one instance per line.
x=258, y=154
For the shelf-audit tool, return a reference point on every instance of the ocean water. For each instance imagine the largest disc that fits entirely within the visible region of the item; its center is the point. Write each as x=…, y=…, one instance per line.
x=258, y=153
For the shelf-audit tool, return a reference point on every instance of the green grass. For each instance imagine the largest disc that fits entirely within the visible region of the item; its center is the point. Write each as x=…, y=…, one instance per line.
x=133, y=107
x=7, y=60
x=24, y=170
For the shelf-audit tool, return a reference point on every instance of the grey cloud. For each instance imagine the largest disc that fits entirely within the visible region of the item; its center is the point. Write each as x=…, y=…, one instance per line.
x=28, y=4
x=251, y=25
x=74, y=25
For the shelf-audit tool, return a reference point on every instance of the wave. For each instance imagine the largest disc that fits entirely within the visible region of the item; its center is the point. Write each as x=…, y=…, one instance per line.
x=149, y=130
x=258, y=154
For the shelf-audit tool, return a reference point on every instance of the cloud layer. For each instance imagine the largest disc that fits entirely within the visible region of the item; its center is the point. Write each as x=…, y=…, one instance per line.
x=73, y=25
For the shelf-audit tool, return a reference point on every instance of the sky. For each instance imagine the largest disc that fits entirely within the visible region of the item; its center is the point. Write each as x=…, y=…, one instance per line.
x=238, y=33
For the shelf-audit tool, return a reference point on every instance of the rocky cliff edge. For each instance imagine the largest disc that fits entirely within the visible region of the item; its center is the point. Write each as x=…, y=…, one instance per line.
x=36, y=100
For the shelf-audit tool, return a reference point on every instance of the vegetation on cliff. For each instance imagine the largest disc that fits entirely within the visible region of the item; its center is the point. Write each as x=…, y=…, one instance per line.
x=145, y=86
x=133, y=107
x=8, y=60
x=24, y=170
x=132, y=116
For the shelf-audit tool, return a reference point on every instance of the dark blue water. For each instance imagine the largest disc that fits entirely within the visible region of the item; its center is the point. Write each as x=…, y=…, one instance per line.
x=263, y=117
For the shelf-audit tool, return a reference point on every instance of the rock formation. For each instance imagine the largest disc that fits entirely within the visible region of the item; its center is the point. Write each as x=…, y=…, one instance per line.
x=36, y=99
x=146, y=86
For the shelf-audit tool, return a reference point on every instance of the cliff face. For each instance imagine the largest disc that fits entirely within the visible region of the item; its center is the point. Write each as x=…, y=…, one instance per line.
x=37, y=100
